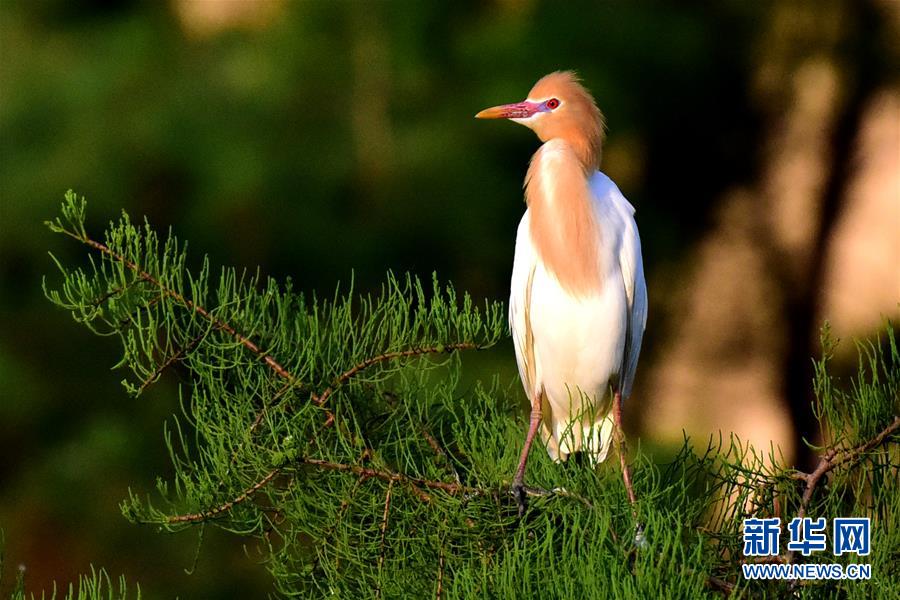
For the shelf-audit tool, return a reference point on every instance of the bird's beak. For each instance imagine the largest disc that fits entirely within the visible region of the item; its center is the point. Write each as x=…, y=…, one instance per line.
x=517, y=110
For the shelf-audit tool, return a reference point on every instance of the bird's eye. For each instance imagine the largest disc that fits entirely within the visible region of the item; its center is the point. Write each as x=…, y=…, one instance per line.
x=552, y=103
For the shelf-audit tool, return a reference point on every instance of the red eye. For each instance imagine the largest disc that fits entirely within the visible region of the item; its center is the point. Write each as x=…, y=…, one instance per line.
x=552, y=103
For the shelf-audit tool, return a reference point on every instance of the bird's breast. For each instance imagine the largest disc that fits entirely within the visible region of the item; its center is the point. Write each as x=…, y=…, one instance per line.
x=579, y=340
x=563, y=225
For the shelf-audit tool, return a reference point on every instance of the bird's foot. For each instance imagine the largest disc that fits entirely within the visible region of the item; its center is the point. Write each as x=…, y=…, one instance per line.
x=517, y=489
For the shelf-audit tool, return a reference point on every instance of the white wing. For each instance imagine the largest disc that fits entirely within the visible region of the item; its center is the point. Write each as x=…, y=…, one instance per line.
x=632, y=268
x=520, y=307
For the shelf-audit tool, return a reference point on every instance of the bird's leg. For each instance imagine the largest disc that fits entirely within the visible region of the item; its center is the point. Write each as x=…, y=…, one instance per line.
x=640, y=540
x=623, y=450
x=518, y=485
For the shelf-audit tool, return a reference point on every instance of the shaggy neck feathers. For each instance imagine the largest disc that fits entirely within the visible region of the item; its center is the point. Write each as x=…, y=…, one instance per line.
x=563, y=225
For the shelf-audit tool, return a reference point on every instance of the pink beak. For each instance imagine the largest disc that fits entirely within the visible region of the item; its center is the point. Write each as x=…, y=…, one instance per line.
x=517, y=110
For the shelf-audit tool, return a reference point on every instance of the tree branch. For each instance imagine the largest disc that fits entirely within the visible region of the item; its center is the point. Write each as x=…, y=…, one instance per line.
x=363, y=472
x=440, y=573
x=720, y=585
x=176, y=356
x=432, y=441
x=116, y=291
x=222, y=508
x=834, y=458
x=384, y=526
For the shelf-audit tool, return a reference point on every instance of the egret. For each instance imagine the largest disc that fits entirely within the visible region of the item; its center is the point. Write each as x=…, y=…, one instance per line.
x=578, y=299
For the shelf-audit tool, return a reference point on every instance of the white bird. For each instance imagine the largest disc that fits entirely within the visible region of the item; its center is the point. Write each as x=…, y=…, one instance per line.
x=578, y=299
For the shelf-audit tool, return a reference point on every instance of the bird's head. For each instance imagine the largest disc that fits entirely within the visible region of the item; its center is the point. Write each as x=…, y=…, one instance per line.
x=558, y=107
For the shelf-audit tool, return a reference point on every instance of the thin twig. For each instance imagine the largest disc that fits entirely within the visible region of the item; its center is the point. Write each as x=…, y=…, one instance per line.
x=440, y=573
x=116, y=291
x=439, y=451
x=218, y=510
x=342, y=510
x=181, y=353
x=276, y=400
x=432, y=441
x=420, y=493
x=129, y=320
x=834, y=458
x=384, y=526
x=720, y=584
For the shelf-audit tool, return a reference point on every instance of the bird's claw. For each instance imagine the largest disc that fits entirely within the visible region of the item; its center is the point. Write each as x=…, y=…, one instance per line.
x=519, y=493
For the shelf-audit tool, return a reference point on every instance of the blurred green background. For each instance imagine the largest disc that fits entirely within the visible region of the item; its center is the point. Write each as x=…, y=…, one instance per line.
x=317, y=138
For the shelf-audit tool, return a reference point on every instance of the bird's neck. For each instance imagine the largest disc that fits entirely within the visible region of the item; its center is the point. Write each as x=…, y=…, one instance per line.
x=584, y=137
x=564, y=228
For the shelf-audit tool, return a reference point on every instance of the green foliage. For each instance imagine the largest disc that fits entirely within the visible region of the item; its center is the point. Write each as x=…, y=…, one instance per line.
x=337, y=436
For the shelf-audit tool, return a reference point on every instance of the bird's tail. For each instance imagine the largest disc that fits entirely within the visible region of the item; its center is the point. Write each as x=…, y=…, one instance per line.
x=597, y=439
x=569, y=437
